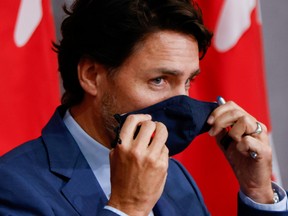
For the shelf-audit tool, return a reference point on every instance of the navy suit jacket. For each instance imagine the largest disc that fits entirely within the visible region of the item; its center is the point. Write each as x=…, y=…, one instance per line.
x=50, y=176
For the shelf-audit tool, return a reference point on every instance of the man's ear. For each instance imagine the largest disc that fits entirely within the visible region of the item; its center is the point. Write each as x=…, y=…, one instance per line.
x=88, y=72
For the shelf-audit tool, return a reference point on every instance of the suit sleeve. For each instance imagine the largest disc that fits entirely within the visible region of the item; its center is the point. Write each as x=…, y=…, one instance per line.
x=243, y=209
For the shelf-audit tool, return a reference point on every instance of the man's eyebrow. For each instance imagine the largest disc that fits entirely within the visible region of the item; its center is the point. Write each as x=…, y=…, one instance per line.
x=175, y=72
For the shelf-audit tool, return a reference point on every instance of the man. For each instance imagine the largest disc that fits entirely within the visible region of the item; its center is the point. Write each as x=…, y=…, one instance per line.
x=116, y=57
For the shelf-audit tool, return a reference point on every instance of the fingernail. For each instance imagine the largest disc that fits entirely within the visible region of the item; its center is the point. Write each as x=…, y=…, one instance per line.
x=149, y=116
x=210, y=120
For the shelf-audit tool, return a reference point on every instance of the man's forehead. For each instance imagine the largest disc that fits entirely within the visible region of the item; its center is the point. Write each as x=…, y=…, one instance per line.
x=167, y=38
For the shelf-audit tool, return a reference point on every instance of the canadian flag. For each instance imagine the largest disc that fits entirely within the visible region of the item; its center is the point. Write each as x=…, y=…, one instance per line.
x=29, y=90
x=234, y=69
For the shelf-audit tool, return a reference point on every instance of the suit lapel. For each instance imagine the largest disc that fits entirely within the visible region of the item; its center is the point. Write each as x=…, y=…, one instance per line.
x=82, y=189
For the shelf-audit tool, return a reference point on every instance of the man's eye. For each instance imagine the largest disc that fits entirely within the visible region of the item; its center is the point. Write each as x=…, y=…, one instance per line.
x=158, y=80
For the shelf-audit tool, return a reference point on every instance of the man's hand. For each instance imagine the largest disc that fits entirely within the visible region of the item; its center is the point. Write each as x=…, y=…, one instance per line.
x=139, y=166
x=254, y=175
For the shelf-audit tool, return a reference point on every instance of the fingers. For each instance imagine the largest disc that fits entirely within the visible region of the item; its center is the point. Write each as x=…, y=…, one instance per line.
x=245, y=126
x=143, y=159
x=241, y=128
x=252, y=144
x=145, y=134
x=130, y=126
x=231, y=115
x=225, y=116
x=150, y=135
x=159, y=139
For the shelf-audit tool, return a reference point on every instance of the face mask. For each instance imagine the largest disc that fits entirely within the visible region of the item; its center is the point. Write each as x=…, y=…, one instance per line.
x=184, y=117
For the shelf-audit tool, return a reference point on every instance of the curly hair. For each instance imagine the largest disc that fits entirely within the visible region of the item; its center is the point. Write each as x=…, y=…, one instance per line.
x=108, y=30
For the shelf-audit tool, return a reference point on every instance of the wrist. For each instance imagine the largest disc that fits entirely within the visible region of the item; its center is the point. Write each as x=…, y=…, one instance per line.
x=127, y=209
x=263, y=196
x=116, y=211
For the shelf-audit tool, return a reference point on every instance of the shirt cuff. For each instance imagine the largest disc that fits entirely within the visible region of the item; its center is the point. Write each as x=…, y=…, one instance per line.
x=280, y=206
x=115, y=210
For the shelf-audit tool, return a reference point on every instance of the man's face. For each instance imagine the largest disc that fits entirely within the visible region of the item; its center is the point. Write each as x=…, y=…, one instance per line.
x=161, y=67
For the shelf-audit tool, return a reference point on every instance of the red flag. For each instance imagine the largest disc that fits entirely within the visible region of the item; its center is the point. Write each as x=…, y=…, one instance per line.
x=232, y=68
x=29, y=90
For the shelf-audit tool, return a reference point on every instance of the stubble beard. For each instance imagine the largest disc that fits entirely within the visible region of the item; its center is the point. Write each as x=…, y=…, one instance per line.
x=109, y=109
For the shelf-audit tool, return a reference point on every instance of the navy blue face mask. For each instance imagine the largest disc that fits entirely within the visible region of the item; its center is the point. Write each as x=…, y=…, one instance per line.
x=184, y=117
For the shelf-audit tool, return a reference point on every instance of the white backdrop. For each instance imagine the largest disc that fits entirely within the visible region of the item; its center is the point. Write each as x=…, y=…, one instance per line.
x=275, y=32
x=275, y=29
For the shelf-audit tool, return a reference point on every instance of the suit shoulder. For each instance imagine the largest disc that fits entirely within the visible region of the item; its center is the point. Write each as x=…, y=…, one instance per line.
x=30, y=150
x=176, y=165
